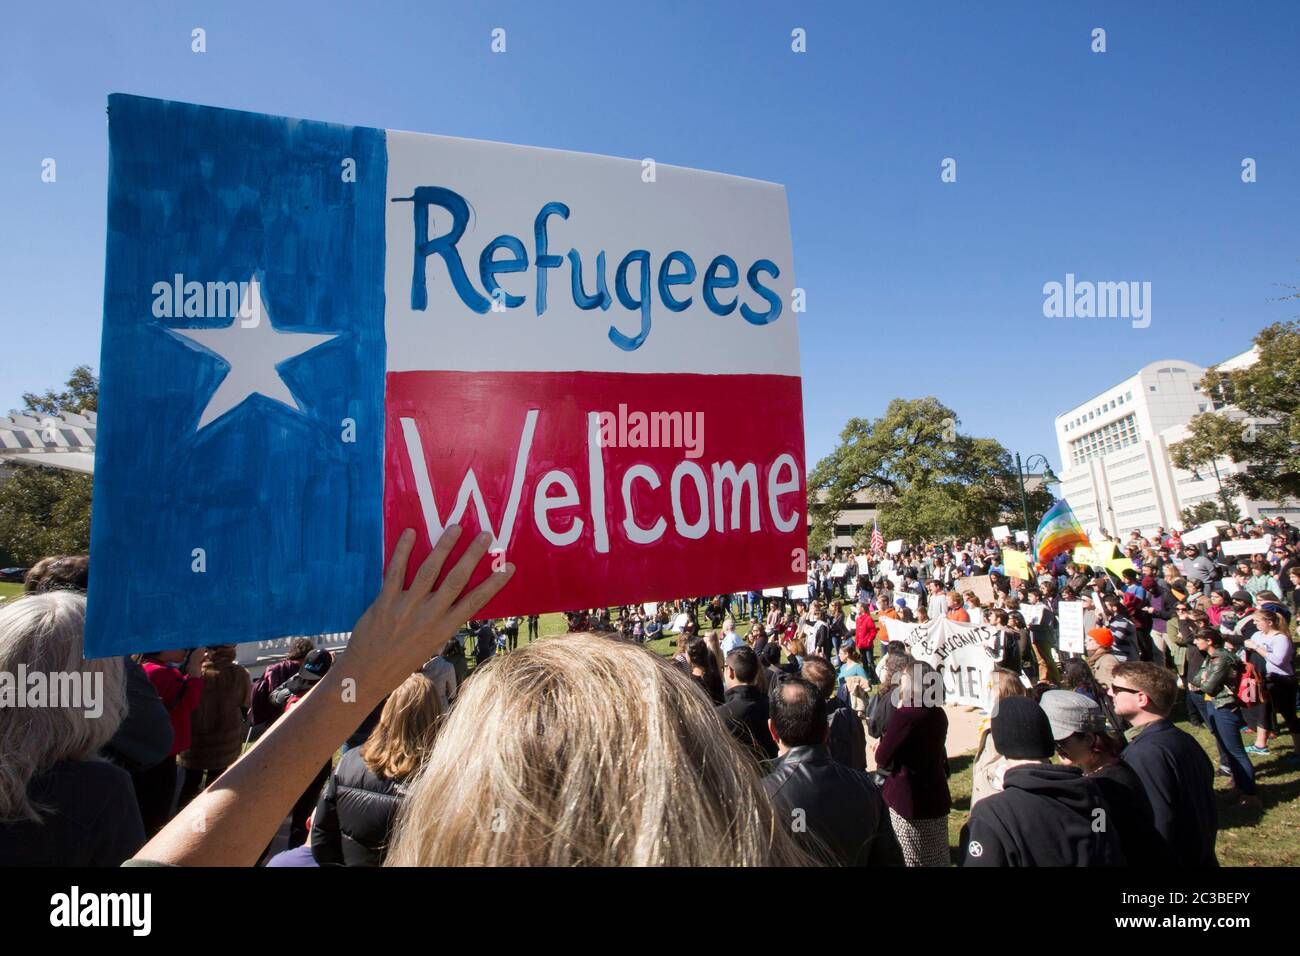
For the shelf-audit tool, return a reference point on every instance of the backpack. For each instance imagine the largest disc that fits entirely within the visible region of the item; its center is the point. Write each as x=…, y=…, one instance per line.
x=263, y=709
x=1248, y=686
x=280, y=697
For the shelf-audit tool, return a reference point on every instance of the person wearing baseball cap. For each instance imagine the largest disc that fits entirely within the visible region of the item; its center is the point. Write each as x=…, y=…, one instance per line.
x=1083, y=740
x=1046, y=814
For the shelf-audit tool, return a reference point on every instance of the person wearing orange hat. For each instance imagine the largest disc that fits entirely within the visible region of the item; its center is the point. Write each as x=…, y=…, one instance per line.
x=1101, y=658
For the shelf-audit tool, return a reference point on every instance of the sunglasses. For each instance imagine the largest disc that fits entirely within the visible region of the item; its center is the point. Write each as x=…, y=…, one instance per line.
x=1120, y=689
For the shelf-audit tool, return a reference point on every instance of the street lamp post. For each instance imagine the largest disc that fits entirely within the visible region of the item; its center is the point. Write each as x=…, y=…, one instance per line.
x=1223, y=497
x=1048, y=478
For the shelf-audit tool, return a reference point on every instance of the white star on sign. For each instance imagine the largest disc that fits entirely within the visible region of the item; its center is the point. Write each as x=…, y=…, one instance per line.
x=252, y=348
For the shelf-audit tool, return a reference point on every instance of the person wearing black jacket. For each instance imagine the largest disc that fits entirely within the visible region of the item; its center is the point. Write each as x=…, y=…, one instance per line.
x=1045, y=814
x=1178, y=777
x=846, y=738
x=1080, y=731
x=745, y=710
x=359, y=803
x=836, y=812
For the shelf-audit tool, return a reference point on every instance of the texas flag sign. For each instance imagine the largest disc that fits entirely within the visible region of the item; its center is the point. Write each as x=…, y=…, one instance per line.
x=316, y=336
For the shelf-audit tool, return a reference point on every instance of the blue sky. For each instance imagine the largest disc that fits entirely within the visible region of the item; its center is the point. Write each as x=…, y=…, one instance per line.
x=1124, y=165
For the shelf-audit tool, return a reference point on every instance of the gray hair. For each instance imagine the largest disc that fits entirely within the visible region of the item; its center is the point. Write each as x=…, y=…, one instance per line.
x=42, y=633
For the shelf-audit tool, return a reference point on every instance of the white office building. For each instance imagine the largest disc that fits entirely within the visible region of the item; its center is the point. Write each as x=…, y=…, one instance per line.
x=1114, y=449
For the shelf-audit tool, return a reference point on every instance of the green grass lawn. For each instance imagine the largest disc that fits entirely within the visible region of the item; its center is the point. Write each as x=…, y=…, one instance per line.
x=8, y=590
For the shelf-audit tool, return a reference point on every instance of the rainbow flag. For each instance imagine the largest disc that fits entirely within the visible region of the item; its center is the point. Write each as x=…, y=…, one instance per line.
x=1058, y=531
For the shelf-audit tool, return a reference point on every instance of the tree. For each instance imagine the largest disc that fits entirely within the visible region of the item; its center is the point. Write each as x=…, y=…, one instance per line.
x=46, y=510
x=1257, y=424
x=1207, y=511
x=81, y=394
x=935, y=482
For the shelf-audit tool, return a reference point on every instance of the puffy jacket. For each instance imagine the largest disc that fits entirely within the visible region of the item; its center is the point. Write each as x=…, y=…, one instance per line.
x=355, y=815
x=864, y=631
x=845, y=819
x=1045, y=816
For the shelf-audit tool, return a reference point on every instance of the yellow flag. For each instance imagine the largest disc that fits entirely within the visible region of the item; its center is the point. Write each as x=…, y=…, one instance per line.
x=1117, y=566
x=1015, y=564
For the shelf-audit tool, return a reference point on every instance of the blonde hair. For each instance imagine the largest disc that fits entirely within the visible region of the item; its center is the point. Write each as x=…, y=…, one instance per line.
x=44, y=633
x=587, y=751
x=1004, y=683
x=406, y=729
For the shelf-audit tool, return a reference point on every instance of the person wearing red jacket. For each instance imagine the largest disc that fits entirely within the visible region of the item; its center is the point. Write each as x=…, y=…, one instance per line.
x=177, y=677
x=864, y=638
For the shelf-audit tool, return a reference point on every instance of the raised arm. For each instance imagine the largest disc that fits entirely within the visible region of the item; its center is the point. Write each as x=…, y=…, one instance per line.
x=231, y=822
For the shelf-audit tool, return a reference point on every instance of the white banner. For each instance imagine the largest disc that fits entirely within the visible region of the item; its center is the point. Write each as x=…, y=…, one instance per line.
x=838, y=569
x=1248, y=546
x=796, y=592
x=964, y=653
x=1001, y=532
x=894, y=547
x=1206, y=532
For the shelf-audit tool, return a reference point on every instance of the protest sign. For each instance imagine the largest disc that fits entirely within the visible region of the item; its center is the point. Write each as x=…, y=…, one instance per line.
x=1015, y=564
x=839, y=569
x=651, y=608
x=1001, y=532
x=1083, y=555
x=316, y=336
x=1201, y=534
x=1247, y=546
x=1032, y=613
x=1022, y=537
x=894, y=547
x=981, y=585
x=795, y=592
x=1074, y=624
x=913, y=600
x=964, y=653
x=1118, y=565
x=864, y=565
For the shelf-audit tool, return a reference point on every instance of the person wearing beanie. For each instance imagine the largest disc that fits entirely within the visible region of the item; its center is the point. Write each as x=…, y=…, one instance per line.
x=1101, y=658
x=1083, y=740
x=1045, y=814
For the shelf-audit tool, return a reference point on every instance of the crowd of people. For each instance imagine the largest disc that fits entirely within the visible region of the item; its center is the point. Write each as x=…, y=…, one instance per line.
x=785, y=731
